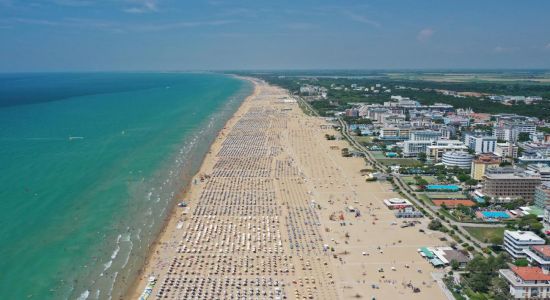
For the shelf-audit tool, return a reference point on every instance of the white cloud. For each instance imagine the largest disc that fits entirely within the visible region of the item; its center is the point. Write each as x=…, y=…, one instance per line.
x=361, y=19
x=501, y=49
x=116, y=27
x=142, y=6
x=425, y=34
x=547, y=47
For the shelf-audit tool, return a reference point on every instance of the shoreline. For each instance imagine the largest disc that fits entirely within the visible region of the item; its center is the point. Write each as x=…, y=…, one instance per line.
x=172, y=218
x=266, y=223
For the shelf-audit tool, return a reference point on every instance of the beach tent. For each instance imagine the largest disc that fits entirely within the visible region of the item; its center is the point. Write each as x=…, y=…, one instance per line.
x=436, y=262
x=427, y=253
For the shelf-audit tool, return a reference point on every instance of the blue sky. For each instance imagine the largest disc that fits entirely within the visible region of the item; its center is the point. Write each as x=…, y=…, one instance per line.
x=69, y=35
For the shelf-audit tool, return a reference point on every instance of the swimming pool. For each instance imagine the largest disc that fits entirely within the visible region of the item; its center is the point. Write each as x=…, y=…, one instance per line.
x=442, y=187
x=495, y=214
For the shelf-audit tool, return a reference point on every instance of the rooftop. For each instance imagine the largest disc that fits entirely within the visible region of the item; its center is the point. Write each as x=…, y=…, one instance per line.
x=530, y=273
x=524, y=236
x=542, y=249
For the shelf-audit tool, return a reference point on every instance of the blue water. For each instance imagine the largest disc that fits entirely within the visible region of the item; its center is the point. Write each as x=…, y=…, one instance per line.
x=90, y=165
x=495, y=214
x=439, y=187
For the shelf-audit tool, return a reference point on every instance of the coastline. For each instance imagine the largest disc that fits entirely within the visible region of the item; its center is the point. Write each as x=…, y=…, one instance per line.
x=135, y=288
x=265, y=222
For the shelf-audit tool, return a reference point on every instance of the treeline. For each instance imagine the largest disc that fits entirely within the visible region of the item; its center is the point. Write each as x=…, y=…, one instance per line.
x=540, y=110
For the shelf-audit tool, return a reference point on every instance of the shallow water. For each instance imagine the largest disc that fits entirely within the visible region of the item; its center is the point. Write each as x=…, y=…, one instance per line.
x=89, y=167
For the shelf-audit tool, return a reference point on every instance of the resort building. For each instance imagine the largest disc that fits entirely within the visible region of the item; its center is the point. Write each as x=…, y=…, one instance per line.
x=542, y=169
x=425, y=135
x=527, y=282
x=435, y=151
x=413, y=148
x=482, y=163
x=505, y=150
x=546, y=218
x=481, y=144
x=395, y=133
x=517, y=241
x=542, y=195
x=462, y=160
x=397, y=203
x=443, y=256
x=506, y=184
x=539, y=256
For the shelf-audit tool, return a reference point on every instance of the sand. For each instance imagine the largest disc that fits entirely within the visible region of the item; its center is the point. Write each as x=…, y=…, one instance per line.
x=258, y=222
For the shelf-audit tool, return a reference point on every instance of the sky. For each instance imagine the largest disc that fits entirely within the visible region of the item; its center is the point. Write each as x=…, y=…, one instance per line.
x=101, y=35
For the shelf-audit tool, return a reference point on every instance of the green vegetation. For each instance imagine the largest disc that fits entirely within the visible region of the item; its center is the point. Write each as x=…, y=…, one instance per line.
x=435, y=225
x=482, y=278
x=419, y=87
x=330, y=137
x=493, y=235
x=521, y=262
x=528, y=222
x=403, y=162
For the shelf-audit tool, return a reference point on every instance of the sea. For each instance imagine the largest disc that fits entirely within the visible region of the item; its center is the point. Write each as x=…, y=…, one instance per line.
x=90, y=166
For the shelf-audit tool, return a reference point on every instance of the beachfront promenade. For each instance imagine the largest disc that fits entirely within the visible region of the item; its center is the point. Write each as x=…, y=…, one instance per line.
x=267, y=219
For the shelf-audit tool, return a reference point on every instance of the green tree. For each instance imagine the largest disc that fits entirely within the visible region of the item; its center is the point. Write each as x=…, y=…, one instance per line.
x=523, y=137
x=422, y=157
x=454, y=264
x=435, y=225
x=521, y=262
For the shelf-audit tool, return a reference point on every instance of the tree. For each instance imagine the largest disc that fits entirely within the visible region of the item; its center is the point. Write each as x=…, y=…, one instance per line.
x=505, y=163
x=481, y=272
x=422, y=157
x=435, y=225
x=499, y=289
x=454, y=264
x=357, y=131
x=523, y=137
x=471, y=182
x=463, y=177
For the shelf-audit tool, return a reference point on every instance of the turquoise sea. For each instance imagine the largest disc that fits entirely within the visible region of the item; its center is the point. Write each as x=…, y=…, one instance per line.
x=90, y=165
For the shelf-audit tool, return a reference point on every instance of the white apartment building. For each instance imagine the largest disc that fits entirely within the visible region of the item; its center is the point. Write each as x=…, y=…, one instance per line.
x=517, y=241
x=481, y=144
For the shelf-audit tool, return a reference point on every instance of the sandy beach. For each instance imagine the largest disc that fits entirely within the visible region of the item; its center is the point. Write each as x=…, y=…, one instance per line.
x=260, y=219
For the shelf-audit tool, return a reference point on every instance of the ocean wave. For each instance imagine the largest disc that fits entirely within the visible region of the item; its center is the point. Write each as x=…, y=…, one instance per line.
x=84, y=295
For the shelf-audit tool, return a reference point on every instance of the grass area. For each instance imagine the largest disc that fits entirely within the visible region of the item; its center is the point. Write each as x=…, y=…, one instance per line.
x=440, y=195
x=487, y=234
x=403, y=162
x=410, y=179
x=378, y=154
x=447, y=214
x=425, y=198
x=363, y=139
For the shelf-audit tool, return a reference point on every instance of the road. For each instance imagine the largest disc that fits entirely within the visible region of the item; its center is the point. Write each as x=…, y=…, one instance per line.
x=405, y=189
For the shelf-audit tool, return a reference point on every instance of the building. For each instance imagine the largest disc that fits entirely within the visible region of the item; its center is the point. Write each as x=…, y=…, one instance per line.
x=462, y=160
x=352, y=112
x=517, y=241
x=435, y=151
x=527, y=282
x=506, y=150
x=542, y=195
x=397, y=203
x=424, y=135
x=481, y=144
x=482, y=163
x=395, y=133
x=413, y=148
x=546, y=218
x=539, y=256
x=542, y=169
x=506, y=184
